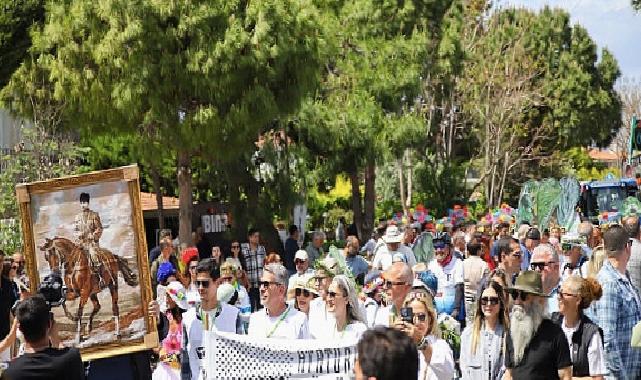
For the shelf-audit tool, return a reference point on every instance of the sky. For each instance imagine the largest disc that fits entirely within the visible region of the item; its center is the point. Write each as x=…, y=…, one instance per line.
x=611, y=23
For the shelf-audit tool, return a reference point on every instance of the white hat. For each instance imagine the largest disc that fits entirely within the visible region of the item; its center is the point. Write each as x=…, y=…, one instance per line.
x=177, y=292
x=301, y=254
x=392, y=235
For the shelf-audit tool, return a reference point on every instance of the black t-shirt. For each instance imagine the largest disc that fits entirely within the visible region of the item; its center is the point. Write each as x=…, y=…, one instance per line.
x=547, y=353
x=7, y=299
x=48, y=364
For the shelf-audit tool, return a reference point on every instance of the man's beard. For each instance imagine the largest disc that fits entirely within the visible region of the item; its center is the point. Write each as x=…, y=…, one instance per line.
x=523, y=325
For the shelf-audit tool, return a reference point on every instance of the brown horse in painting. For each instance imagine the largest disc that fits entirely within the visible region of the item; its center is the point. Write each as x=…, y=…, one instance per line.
x=82, y=282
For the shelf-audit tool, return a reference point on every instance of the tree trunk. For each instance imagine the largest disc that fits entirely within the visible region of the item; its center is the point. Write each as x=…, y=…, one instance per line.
x=356, y=202
x=185, y=199
x=408, y=199
x=401, y=184
x=370, y=199
x=155, y=178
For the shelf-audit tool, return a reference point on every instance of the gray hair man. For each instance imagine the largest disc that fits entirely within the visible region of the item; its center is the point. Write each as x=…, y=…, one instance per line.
x=545, y=260
x=619, y=309
x=631, y=225
x=277, y=319
x=536, y=347
x=315, y=247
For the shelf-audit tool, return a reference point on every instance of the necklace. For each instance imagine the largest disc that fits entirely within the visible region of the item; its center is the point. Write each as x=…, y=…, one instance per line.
x=280, y=320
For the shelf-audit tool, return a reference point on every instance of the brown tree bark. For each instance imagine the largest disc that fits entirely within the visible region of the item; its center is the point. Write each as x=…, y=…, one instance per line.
x=370, y=199
x=155, y=178
x=185, y=197
x=356, y=201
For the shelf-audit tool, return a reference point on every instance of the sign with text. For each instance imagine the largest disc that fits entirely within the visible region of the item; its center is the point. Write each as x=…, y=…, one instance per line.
x=235, y=356
x=214, y=223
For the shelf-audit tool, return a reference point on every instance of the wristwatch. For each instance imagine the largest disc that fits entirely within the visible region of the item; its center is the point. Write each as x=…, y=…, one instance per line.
x=422, y=344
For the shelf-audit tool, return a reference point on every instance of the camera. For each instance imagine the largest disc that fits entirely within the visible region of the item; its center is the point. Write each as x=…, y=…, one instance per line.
x=53, y=290
x=407, y=315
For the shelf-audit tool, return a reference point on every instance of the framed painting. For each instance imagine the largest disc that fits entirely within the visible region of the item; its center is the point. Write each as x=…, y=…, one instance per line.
x=88, y=229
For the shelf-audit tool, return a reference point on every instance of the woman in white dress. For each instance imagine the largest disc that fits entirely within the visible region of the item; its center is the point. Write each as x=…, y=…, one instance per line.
x=436, y=360
x=342, y=302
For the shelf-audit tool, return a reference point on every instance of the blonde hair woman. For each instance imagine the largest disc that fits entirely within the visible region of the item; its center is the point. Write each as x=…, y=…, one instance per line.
x=583, y=335
x=436, y=360
x=596, y=262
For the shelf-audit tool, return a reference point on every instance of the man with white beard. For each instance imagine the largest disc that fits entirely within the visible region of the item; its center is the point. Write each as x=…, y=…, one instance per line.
x=536, y=348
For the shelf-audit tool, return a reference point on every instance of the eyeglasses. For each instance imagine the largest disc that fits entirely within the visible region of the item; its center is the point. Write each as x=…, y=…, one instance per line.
x=563, y=295
x=334, y=294
x=234, y=246
x=303, y=292
x=267, y=283
x=299, y=261
x=490, y=301
x=518, y=294
x=541, y=266
x=389, y=284
x=193, y=267
x=203, y=283
x=421, y=317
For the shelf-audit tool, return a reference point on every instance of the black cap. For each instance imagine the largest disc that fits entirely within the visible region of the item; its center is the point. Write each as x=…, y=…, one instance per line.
x=534, y=234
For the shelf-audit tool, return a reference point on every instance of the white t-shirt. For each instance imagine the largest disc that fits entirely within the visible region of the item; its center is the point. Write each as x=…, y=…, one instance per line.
x=371, y=310
x=291, y=324
x=441, y=365
x=384, y=258
x=383, y=316
x=596, y=359
x=353, y=331
x=193, y=323
x=448, y=277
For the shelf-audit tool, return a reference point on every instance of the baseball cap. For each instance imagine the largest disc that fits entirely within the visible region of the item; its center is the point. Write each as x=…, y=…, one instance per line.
x=301, y=255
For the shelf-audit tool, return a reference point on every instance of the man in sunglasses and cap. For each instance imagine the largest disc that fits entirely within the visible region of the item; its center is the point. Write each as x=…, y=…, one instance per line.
x=536, y=348
x=573, y=246
x=448, y=269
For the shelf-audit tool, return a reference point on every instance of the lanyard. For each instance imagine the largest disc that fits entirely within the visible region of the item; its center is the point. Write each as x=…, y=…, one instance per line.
x=280, y=320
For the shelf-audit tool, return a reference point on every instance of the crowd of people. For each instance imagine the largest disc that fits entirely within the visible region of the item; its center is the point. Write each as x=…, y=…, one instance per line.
x=493, y=302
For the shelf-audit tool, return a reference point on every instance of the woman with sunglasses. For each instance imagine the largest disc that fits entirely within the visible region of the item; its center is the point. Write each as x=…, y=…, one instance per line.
x=482, y=342
x=583, y=335
x=302, y=293
x=235, y=253
x=436, y=360
x=342, y=303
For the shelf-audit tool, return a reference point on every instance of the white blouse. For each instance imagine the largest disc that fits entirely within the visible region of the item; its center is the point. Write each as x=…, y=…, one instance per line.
x=441, y=365
x=596, y=359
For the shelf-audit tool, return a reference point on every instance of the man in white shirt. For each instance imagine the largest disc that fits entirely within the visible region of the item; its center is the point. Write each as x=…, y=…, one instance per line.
x=448, y=269
x=301, y=260
x=393, y=252
x=573, y=258
x=277, y=319
x=209, y=316
x=398, y=282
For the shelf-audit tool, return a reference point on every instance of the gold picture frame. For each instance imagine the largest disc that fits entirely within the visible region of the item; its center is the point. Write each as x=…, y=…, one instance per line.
x=66, y=236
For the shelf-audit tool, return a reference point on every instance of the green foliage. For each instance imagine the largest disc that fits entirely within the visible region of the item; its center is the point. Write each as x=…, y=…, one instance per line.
x=40, y=156
x=16, y=19
x=579, y=164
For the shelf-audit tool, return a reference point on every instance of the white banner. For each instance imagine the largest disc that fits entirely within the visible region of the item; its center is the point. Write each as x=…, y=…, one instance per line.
x=243, y=357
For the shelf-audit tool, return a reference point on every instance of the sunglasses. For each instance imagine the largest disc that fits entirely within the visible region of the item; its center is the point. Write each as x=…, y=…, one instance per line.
x=15, y=267
x=563, y=295
x=203, y=283
x=389, y=284
x=299, y=261
x=235, y=246
x=334, y=294
x=516, y=294
x=541, y=266
x=303, y=292
x=490, y=301
x=267, y=283
x=421, y=317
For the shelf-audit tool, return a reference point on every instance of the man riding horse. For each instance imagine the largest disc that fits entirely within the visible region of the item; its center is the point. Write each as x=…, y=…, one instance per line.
x=89, y=227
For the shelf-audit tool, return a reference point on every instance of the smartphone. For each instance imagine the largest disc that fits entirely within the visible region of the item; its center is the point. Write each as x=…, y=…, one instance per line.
x=407, y=315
